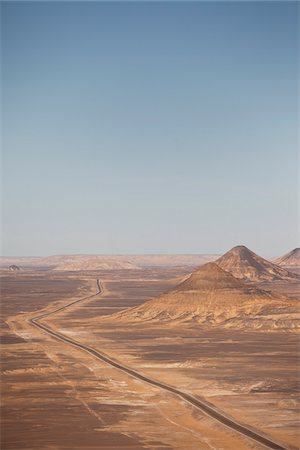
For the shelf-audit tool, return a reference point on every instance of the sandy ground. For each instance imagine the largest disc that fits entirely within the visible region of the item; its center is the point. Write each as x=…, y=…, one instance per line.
x=57, y=397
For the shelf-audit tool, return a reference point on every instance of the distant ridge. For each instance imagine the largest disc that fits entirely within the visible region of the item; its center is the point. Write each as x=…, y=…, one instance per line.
x=247, y=265
x=291, y=259
x=140, y=260
x=159, y=260
x=214, y=297
x=94, y=263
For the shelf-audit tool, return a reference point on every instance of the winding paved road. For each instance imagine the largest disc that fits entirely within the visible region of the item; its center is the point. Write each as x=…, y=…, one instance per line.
x=188, y=398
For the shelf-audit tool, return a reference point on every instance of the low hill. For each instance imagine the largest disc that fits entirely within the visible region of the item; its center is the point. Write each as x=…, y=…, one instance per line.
x=213, y=297
x=291, y=259
x=244, y=264
x=14, y=268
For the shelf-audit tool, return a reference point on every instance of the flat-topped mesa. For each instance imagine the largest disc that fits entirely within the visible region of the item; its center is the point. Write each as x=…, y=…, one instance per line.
x=291, y=259
x=247, y=265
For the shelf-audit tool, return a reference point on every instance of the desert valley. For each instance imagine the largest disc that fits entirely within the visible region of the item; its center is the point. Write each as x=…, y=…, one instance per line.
x=150, y=260
x=150, y=352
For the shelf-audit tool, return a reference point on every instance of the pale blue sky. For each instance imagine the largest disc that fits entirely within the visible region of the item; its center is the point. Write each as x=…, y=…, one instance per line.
x=149, y=127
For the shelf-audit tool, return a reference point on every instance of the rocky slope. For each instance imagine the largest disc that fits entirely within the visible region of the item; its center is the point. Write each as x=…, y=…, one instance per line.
x=291, y=259
x=213, y=297
x=244, y=264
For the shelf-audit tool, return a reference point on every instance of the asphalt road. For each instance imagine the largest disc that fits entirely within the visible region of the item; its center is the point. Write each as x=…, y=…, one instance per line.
x=201, y=405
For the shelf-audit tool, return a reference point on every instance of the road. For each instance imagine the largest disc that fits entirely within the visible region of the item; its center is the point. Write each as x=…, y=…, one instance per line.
x=201, y=405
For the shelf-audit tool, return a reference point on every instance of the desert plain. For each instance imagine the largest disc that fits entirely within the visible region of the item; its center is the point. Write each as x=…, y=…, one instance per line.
x=58, y=396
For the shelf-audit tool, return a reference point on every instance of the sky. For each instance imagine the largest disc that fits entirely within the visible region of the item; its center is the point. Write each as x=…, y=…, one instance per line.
x=139, y=127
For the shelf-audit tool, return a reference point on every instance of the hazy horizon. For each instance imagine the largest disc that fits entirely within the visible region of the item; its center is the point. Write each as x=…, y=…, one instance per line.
x=149, y=128
x=267, y=256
